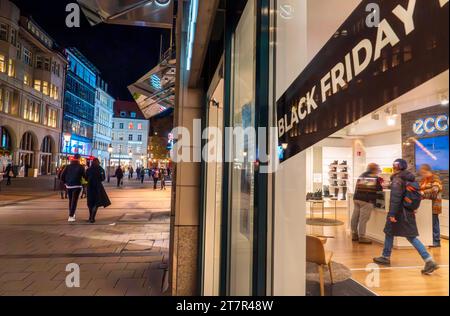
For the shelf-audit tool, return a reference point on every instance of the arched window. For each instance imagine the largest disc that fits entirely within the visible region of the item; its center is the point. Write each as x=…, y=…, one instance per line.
x=27, y=142
x=47, y=145
x=5, y=139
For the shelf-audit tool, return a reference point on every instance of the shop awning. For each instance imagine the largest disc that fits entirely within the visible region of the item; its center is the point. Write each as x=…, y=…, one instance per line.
x=155, y=91
x=150, y=13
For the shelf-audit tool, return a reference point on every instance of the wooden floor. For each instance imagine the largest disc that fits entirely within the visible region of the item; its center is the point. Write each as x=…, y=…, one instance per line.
x=402, y=278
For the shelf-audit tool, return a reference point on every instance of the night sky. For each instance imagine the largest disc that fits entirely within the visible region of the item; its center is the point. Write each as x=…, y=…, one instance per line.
x=122, y=53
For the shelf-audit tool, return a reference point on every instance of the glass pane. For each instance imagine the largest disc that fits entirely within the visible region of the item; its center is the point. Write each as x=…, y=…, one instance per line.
x=242, y=192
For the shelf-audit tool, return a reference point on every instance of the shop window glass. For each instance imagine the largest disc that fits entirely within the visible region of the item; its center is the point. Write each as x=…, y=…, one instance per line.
x=130, y=137
x=39, y=62
x=242, y=179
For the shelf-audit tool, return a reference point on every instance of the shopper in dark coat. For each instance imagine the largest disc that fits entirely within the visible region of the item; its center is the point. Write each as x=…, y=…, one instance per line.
x=9, y=173
x=96, y=194
x=119, y=175
x=401, y=222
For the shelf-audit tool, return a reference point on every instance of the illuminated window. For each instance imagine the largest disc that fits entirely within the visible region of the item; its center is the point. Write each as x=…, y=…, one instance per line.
x=2, y=63
x=1, y=99
x=37, y=85
x=45, y=87
x=139, y=126
x=130, y=125
x=11, y=68
x=26, y=79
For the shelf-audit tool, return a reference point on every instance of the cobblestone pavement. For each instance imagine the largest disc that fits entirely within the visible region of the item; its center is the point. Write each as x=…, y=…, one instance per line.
x=124, y=253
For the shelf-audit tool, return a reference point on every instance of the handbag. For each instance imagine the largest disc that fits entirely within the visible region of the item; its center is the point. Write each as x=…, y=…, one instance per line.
x=84, y=182
x=10, y=173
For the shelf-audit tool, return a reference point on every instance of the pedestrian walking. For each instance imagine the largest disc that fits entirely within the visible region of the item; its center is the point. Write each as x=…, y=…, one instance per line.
x=61, y=186
x=138, y=173
x=96, y=194
x=9, y=173
x=162, y=178
x=155, y=178
x=119, y=176
x=142, y=174
x=71, y=177
x=130, y=172
x=401, y=219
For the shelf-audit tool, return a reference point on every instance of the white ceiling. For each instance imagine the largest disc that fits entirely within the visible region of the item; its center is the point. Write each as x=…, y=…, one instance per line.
x=425, y=95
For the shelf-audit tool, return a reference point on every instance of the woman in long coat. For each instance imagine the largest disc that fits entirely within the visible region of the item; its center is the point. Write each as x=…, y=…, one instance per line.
x=96, y=194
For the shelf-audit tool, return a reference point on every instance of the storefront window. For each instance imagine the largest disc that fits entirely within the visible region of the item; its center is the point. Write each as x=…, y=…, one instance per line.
x=242, y=169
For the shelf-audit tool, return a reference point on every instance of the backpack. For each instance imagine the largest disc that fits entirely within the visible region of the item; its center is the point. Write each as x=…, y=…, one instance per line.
x=412, y=196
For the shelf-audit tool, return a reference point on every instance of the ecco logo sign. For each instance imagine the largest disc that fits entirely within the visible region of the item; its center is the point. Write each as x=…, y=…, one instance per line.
x=431, y=124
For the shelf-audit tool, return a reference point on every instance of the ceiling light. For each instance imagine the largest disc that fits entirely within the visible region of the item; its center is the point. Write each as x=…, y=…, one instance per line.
x=444, y=99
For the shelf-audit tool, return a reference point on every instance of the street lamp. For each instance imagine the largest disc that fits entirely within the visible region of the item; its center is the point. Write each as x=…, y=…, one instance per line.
x=67, y=137
x=110, y=150
x=130, y=154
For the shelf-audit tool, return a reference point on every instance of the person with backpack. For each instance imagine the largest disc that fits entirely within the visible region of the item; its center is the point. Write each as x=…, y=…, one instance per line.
x=401, y=219
x=367, y=187
x=431, y=189
x=142, y=174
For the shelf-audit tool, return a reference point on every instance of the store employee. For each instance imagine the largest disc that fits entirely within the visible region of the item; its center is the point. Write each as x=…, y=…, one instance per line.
x=364, y=199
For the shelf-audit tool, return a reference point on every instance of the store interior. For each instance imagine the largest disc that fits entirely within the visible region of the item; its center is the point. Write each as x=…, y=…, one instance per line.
x=333, y=166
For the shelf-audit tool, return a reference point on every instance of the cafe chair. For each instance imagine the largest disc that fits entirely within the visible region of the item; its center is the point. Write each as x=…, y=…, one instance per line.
x=315, y=253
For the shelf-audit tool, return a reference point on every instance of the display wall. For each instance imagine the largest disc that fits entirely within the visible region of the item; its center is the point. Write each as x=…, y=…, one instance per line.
x=408, y=135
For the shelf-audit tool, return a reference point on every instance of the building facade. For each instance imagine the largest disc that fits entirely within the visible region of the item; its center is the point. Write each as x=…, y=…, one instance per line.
x=104, y=110
x=129, y=136
x=79, y=105
x=32, y=76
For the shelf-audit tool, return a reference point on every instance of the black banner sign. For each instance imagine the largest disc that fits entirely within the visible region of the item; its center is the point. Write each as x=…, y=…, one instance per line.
x=362, y=68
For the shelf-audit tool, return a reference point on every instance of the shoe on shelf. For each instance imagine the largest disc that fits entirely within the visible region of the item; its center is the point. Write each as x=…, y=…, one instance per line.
x=355, y=237
x=344, y=169
x=71, y=219
x=344, y=163
x=430, y=267
x=382, y=260
x=366, y=241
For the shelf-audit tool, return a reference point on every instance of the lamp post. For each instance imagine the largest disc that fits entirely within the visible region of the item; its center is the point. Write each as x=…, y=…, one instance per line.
x=67, y=137
x=110, y=150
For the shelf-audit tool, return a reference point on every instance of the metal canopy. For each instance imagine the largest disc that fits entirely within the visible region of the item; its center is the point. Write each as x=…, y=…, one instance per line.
x=155, y=91
x=150, y=13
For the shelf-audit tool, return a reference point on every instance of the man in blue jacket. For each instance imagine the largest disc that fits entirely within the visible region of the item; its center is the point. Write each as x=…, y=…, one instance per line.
x=401, y=222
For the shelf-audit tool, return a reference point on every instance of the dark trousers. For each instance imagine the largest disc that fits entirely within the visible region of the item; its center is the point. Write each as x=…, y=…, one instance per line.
x=155, y=183
x=93, y=212
x=142, y=179
x=119, y=181
x=8, y=180
x=436, y=230
x=74, y=195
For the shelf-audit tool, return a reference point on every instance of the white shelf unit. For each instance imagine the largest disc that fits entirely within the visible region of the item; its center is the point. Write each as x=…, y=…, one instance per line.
x=331, y=154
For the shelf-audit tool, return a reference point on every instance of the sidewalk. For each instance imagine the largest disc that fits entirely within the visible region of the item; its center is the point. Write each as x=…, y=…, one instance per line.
x=124, y=253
